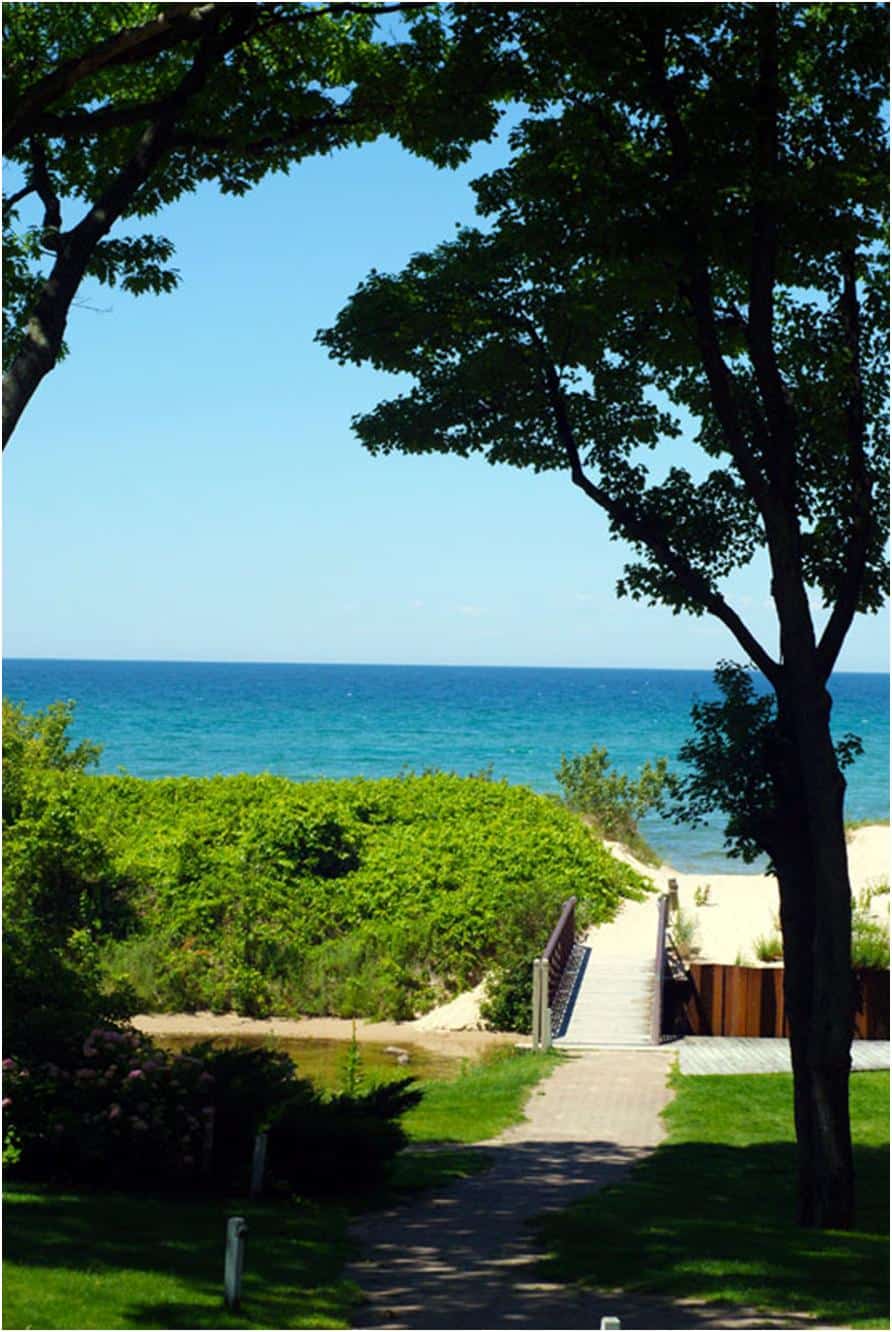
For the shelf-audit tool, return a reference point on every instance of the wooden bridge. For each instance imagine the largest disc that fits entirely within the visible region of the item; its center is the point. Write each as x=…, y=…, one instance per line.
x=607, y=989
x=604, y=990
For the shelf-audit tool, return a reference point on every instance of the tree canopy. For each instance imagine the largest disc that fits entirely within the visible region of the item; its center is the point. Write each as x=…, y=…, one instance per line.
x=690, y=230
x=113, y=111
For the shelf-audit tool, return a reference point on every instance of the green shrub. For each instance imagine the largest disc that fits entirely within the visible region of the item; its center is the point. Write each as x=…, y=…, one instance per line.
x=125, y=1115
x=612, y=800
x=429, y=883
x=259, y=894
x=870, y=943
x=341, y=1145
x=685, y=931
x=120, y=1114
x=508, y=1005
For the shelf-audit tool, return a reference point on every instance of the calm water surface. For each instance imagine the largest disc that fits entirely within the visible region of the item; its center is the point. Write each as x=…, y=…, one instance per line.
x=157, y=719
x=322, y=1060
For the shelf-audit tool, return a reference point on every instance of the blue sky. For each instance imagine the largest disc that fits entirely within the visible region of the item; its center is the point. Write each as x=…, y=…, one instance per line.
x=186, y=484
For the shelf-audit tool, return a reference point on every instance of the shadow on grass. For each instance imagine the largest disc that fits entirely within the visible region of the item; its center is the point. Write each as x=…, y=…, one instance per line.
x=113, y=1252
x=715, y=1222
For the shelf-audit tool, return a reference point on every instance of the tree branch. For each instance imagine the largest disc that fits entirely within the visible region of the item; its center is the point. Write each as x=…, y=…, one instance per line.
x=758, y=470
x=856, y=552
x=79, y=124
x=11, y=200
x=29, y=115
x=780, y=458
x=46, y=327
x=696, y=287
x=175, y=23
x=52, y=209
x=287, y=137
x=644, y=530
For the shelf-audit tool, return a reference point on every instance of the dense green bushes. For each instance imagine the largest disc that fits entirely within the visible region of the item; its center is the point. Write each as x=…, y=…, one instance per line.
x=373, y=898
x=367, y=898
x=121, y=1114
x=62, y=897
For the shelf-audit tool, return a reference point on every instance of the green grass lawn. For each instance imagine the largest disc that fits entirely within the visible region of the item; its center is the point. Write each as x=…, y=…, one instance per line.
x=709, y=1215
x=108, y=1261
x=111, y=1261
x=483, y=1101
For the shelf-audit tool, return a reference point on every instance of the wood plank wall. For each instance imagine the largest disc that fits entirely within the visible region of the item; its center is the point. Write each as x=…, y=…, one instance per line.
x=749, y=1001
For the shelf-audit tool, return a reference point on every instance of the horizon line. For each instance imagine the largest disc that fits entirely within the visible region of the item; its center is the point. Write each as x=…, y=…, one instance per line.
x=391, y=665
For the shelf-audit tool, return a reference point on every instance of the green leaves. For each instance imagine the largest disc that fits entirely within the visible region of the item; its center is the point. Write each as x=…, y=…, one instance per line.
x=367, y=898
x=667, y=244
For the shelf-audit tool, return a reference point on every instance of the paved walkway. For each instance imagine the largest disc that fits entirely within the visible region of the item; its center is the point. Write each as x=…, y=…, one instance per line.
x=463, y=1256
x=760, y=1054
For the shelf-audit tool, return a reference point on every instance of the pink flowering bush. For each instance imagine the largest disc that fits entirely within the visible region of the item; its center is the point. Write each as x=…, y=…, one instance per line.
x=125, y=1115
x=122, y=1113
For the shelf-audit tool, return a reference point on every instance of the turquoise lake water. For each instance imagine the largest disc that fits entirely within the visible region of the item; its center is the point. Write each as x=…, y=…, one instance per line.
x=157, y=719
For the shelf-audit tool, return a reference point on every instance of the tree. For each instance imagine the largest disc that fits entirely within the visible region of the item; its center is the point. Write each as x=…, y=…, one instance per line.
x=59, y=889
x=120, y=109
x=689, y=241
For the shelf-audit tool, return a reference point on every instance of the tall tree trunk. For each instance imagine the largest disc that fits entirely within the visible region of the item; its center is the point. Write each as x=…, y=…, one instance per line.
x=811, y=861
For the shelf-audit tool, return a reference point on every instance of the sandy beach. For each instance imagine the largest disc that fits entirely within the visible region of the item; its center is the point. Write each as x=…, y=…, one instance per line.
x=452, y=1030
x=738, y=909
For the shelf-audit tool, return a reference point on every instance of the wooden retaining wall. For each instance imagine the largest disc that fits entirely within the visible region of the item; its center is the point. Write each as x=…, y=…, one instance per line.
x=749, y=1001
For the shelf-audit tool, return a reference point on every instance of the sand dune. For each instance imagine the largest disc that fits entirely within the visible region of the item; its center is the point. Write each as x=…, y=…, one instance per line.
x=741, y=907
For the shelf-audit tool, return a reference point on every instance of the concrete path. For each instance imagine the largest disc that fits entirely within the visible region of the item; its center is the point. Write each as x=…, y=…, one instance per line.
x=463, y=1256
x=760, y=1054
x=612, y=1003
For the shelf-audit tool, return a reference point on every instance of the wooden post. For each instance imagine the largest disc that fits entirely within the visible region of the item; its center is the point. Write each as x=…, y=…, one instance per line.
x=537, y=1005
x=545, y=1011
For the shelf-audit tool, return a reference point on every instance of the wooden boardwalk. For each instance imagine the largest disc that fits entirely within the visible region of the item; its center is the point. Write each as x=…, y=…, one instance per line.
x=613, y=1000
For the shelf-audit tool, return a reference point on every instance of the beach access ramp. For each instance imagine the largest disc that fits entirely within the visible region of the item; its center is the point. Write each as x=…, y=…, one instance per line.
x=611, y=1002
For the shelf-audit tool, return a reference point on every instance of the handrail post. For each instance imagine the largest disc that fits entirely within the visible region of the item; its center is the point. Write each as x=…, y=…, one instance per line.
x=544, y=1009
x=537, y=1003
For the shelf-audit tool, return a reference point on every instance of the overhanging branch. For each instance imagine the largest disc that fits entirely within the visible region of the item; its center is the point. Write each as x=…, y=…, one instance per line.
x=175, y=23
x=642, y=529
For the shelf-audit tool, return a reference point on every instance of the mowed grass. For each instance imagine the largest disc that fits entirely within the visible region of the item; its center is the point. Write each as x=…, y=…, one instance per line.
x=79, y=1260
x=484, y=1100
x=109, y=1261
x=710, y=1215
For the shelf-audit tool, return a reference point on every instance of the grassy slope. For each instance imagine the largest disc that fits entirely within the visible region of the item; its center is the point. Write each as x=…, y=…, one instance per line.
x=708, y=1215
x=107, y=1261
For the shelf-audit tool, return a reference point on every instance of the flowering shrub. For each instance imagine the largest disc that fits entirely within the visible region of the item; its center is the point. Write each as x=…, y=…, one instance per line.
x=126, y=1115
x=122, y=1113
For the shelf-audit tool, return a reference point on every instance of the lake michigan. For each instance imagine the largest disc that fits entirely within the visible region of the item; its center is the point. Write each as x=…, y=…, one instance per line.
x=159, y=719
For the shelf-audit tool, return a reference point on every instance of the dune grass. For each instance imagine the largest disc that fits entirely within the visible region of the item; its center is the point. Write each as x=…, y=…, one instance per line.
x=709, y=1215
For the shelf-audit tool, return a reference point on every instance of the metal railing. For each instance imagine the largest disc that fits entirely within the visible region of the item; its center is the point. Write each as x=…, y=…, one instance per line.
x=547, y=972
